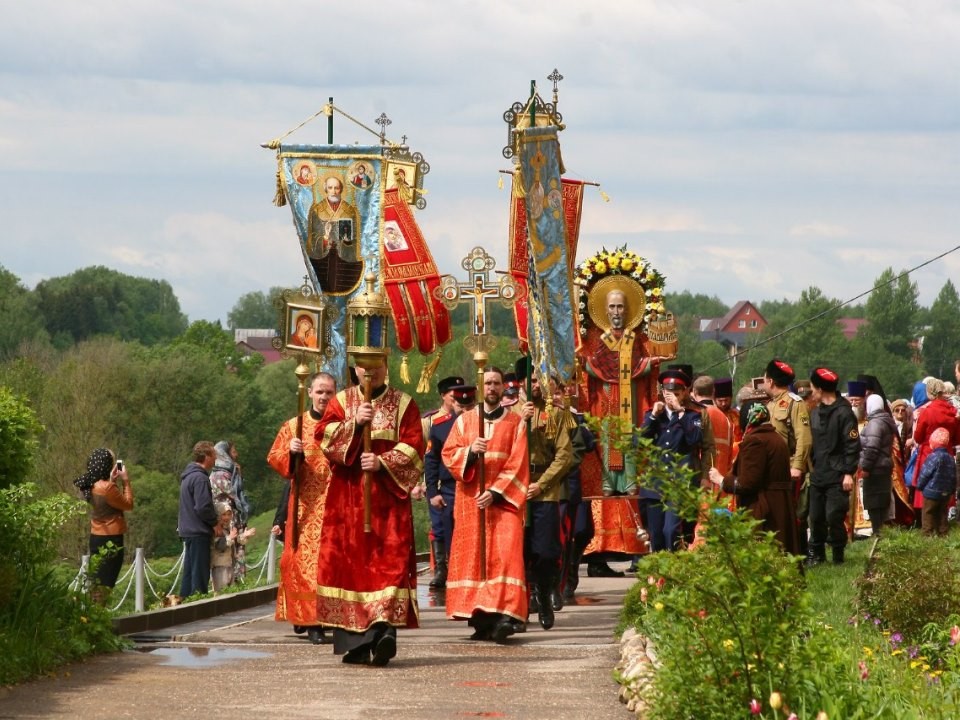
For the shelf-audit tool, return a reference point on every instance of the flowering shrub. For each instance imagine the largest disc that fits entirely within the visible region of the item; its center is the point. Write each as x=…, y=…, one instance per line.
x=912, y=581
x=620, y=262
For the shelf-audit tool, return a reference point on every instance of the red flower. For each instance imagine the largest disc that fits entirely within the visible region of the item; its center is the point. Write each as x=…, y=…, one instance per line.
x=755, y=707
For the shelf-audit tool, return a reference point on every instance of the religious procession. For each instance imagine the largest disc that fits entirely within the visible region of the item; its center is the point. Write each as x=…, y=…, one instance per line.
x=538, y=468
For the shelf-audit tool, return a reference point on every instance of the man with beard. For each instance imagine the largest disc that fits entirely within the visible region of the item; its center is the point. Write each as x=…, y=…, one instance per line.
x=441, y=486
x=835, y=455
x=297, y=591
x=723, y=399
x=366, y=581
x=551, y=457
x=491, y=597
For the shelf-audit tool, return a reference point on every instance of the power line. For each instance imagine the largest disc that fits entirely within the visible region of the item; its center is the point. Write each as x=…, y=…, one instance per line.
x=800, y=324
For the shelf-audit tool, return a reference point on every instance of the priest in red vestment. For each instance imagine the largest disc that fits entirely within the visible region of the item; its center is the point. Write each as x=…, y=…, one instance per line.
x=297, y=591
x=366, y=581
x=493, y=602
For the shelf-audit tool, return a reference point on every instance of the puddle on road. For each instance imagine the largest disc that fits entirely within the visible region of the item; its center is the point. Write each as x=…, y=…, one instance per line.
x=196, y=657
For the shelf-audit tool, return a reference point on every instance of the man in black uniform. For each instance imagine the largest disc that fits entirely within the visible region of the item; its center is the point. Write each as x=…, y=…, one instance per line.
x=836, y=452
x=440, y=485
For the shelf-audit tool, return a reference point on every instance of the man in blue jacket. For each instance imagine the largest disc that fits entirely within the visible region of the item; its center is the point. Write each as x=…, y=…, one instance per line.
x=197, y=520
x=676, y=426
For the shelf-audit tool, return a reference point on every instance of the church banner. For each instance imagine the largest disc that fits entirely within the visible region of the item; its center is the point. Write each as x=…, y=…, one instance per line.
x=348, y=202
x=334, y=193
x=520, y=254
x=552, y=313
x=410, y=277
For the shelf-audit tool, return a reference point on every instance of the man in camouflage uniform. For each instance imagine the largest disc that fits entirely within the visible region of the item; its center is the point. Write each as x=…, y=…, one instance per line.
x=791, y=420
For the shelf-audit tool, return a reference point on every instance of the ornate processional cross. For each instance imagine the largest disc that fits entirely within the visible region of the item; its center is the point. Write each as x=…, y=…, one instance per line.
x=478, y=291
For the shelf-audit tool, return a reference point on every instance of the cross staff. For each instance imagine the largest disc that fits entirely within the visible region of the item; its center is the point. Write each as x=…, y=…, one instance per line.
x=478, y=290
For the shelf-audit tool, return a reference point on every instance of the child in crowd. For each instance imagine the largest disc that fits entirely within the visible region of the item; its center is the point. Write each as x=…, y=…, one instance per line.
x=937, y=482
x=223, y=550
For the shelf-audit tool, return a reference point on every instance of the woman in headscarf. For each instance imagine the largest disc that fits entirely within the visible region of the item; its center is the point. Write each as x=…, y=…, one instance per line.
x=761, y=479
x=107, y=523
x=876, y=461
x=226, y=484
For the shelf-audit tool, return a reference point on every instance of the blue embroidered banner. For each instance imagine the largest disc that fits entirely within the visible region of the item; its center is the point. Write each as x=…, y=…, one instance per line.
x=552, y=314
x=335, y=194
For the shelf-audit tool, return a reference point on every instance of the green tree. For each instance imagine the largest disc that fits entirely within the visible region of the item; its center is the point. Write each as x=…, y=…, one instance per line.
x=100, y=301
x=891, y=311
x=20, y=319
x=219, y=344
x=19, y=429
x=255, y=309
x=941, y=345
x=699, y=306
x=807, y=336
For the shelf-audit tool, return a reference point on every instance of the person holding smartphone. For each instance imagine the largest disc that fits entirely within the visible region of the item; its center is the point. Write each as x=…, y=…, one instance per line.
x=101, y=487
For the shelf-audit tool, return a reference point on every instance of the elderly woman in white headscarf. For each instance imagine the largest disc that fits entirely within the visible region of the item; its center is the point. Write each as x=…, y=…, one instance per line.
x=876, y=461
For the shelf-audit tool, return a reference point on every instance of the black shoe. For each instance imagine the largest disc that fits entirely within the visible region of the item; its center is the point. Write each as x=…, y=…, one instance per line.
x=556, y=600
x=534, y=604
x=519, y=626
x=385, y=650
x=545, y=615
x=360, y=656
x=479, y=634
x=503, y=629
x=838, y=555
x=601, y=569
x=316, y=635
x=299, y=629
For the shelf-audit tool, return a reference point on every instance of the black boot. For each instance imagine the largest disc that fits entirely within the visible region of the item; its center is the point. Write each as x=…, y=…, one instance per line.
x=598, y=568
x=573, y=573
x=440, y=565
x=837, y=554
x=816, y=554
x=545, y=612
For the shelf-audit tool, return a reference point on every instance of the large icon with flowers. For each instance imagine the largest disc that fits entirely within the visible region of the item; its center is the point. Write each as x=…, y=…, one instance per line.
x=646, y=288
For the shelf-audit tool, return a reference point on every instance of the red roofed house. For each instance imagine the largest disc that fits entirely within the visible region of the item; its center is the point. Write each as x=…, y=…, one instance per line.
x=257, y=341
x=735, y=328
x=851, y=326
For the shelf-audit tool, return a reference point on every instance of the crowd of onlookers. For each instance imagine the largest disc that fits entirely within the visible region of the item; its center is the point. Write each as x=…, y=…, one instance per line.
x=212, y=518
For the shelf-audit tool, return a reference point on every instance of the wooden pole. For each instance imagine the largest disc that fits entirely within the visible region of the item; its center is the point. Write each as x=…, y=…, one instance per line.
x=367, y=447
x=302, y=372
x=481, y=360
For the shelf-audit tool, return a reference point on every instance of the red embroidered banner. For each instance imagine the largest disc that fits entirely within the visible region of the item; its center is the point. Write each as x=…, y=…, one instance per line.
x=519, y=257
x=409, y=277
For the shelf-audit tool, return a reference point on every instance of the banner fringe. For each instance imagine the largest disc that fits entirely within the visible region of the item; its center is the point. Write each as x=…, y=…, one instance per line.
x=405, y=370
x=280, y=197
x=429, y=368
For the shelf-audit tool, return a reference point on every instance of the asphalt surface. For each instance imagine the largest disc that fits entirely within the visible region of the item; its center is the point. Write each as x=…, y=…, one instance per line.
x=245, y=665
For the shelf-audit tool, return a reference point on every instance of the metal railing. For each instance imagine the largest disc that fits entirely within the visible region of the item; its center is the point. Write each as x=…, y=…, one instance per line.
x=139, y=574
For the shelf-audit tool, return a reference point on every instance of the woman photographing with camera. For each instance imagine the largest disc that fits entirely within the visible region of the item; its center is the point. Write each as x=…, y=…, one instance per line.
x=108, y=502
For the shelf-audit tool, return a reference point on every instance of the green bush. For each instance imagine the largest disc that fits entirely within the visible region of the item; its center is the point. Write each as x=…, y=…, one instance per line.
x=912, y=580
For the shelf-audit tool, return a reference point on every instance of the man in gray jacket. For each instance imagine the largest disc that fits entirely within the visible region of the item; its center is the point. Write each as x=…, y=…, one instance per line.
x=197, y=520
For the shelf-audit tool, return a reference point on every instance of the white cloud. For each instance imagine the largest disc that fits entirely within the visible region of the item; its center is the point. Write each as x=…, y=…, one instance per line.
x=750, y=150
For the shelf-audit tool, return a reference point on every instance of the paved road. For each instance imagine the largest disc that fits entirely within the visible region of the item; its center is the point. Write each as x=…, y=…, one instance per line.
x=245, y=666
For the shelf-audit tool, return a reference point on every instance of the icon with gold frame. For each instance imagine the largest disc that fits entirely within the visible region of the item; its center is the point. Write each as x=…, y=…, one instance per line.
x=305, y=319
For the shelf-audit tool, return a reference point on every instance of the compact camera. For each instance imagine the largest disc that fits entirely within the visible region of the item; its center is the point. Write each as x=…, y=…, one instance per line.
x=119, y=465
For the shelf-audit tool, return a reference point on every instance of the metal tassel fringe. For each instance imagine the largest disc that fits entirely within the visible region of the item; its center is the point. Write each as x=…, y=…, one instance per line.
x=429, y=368
x=405, y=370
x=280, y=197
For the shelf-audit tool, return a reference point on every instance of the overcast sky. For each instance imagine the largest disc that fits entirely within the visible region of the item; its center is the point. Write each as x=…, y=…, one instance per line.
x=750, y=149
